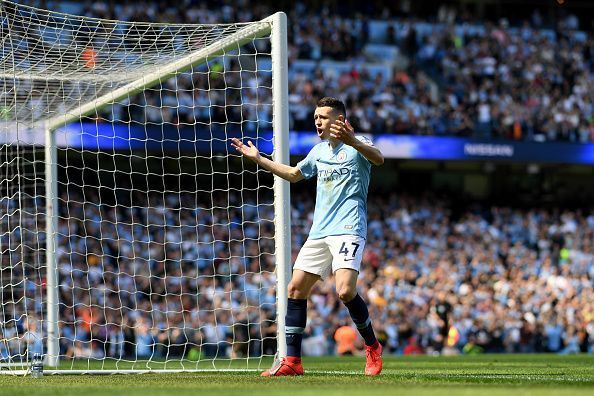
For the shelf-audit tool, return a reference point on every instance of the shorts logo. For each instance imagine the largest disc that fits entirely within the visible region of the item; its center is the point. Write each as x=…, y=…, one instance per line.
x=341, y=156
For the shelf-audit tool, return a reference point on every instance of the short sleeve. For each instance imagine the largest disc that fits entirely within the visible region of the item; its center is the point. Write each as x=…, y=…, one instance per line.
x=365, y=140
x=308, y=166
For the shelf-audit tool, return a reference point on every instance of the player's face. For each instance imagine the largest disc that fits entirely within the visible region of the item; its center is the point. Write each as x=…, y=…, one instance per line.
x=323, y=118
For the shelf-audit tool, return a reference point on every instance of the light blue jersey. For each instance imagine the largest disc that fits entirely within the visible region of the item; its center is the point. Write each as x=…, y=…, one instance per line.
x=341, y=197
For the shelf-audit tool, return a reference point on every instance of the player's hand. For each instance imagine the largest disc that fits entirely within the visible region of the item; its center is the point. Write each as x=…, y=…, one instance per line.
x=248, y=150
x=343, y=131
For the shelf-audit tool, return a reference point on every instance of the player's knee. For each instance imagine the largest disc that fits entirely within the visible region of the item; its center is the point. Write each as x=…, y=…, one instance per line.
x=346, y=293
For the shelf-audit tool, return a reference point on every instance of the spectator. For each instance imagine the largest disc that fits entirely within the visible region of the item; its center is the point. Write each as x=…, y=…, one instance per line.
x=412, y=348
x=345, y=337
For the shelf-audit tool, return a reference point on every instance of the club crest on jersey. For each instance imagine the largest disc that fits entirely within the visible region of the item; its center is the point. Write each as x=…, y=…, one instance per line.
x=341, y=156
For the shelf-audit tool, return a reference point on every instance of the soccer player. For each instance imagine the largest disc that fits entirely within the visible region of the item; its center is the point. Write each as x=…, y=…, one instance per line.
x=342, y=164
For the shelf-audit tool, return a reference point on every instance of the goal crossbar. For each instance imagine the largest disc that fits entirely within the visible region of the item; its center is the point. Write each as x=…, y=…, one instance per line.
x=235, y=40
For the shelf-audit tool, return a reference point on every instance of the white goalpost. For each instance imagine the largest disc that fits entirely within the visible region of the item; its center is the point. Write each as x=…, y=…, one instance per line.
x=132, y=238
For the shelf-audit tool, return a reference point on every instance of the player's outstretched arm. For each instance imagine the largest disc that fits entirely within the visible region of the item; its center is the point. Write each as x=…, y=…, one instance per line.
x=251, y=152
x=344, y=131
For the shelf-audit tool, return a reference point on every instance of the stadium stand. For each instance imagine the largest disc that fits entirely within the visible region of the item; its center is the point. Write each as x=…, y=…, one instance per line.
x=447, y=75
x=506, y=280
x=497, y=280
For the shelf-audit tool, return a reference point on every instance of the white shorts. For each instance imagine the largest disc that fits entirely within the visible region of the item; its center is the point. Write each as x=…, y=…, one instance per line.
x=321, y=256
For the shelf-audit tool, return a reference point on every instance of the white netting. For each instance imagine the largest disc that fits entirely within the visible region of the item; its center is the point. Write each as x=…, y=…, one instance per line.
x=165, y=239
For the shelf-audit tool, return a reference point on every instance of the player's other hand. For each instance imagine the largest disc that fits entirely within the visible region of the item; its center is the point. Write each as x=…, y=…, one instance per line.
x=248, y=150
x=343, y=131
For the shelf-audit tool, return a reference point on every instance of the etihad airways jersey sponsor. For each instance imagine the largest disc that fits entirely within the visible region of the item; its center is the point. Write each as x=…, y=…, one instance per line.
x=341, y=196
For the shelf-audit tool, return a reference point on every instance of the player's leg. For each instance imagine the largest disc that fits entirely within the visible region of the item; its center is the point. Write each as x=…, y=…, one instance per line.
x=346, y=287
x=347, y=253
x=313, y=263
x=296, y=318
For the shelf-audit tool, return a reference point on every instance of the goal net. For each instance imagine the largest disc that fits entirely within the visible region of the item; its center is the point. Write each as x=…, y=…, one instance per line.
x=132, y=238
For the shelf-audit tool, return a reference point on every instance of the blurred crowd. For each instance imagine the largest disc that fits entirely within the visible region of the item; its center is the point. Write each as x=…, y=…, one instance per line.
x=519, y=83
x=485, y=280
x=461, y=77
x=167, y=275
x=160, y=277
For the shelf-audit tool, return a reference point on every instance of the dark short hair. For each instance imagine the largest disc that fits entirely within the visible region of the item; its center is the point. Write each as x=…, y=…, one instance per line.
x=336, y=104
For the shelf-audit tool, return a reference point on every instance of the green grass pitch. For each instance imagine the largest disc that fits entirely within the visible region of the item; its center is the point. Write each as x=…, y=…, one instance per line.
x=421, y=375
